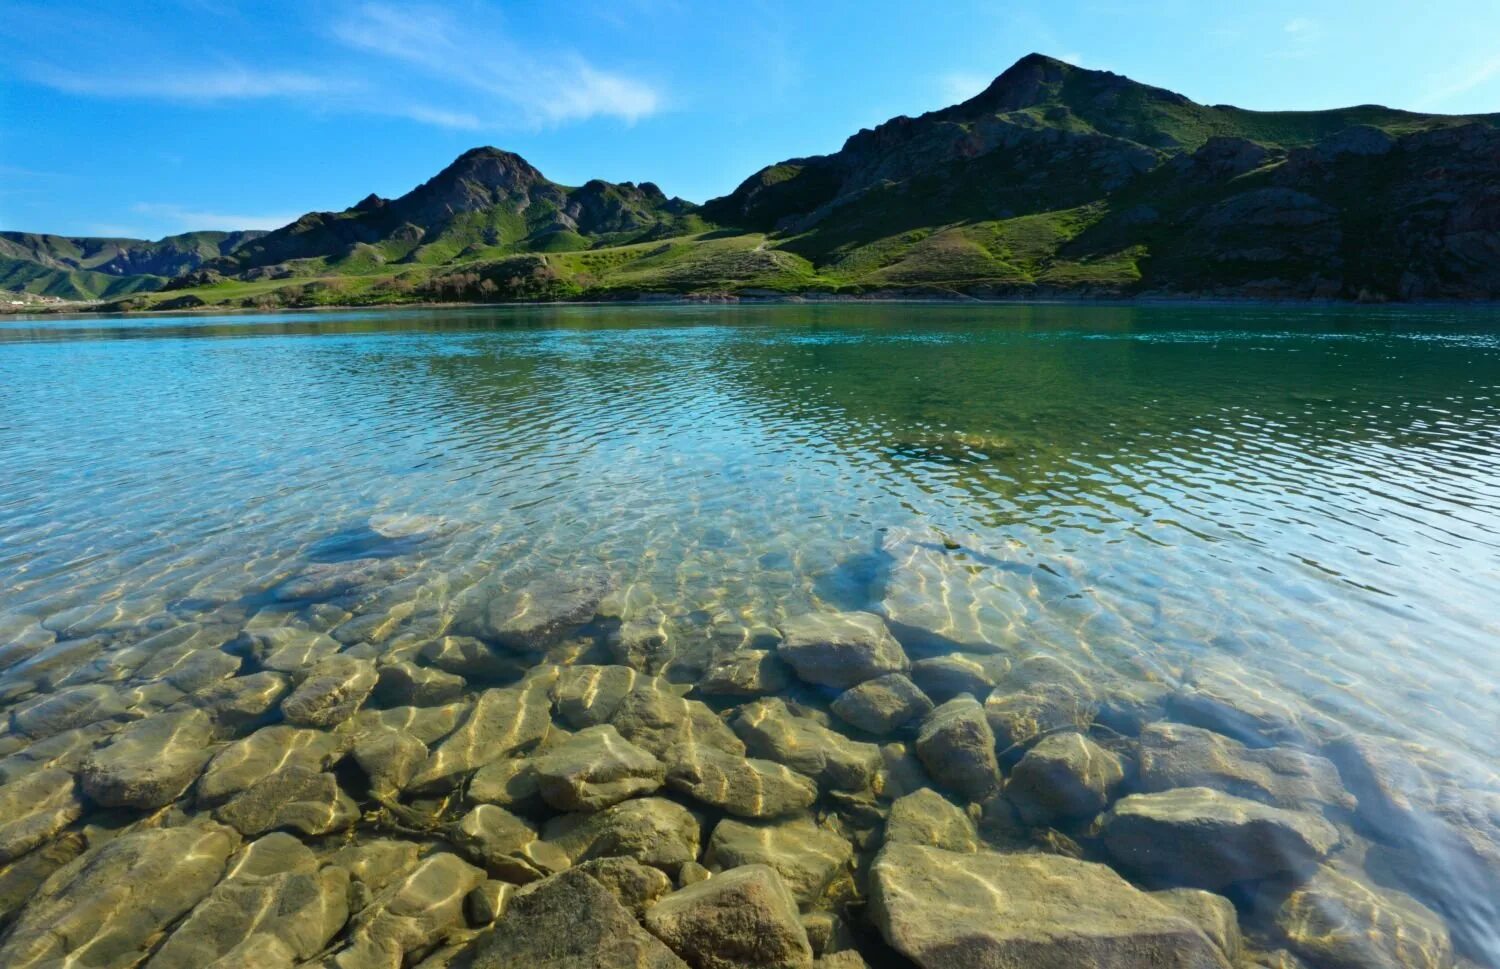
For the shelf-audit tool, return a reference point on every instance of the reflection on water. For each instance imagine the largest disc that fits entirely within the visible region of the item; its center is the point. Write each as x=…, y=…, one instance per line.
x=1307, y=499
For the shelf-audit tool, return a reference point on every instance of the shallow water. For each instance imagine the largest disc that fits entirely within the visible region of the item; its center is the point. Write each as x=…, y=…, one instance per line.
x=1309, y=497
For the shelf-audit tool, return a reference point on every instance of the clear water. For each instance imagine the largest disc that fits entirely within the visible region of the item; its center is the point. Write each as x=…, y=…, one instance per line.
x=1312, y=495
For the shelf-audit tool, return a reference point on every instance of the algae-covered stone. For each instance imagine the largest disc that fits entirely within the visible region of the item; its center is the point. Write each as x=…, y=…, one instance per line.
x=34, y=808
x=334, y=689
x=806, y=855
x=595, y=768
x=746, y=672
x=501, y=723
x=634, y=885
x=744, y=918
x=571, y=921
x=747, y=787
x=372, y=865
x=652, y=830
x=412, y=915
x=293, y=797
x=957, y=747
x=840, y=649
x=533, y=616
x=925, y=817
x=390, y=758
x=1199, y=836
x=1065, y=775
x=506, y=846
x=1339, y=922
x=1178, y=755
x=770, y=730
x=150, y=763
x=1213, y=914
x=110, y=907
x=947, y=910
x=882, y=704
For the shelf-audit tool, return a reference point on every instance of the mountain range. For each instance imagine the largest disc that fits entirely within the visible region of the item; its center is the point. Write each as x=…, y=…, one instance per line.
x=1055, y=181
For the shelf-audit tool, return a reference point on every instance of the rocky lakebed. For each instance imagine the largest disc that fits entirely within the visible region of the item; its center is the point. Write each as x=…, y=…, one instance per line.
x=343, y=776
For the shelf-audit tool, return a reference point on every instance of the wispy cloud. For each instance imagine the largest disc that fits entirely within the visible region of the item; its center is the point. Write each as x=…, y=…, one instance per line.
x=1466, y=81
x=186, y=219
x=190, y=83
x=1301, y=37
x=959, y=86
x=548, y=88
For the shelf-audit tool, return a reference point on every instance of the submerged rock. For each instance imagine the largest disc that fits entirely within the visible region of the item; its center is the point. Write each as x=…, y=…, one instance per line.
x=806, y=855
x=1222, y=697
x=535, y=615
x=747, y=787
x=334, y=689
x=927, y=818
x=1065, y=775
x=883, y=704
x=587, y=696
x=1178, y=755
x=746, y=672
x=1020, y=718
x=34, y=808
x=284, y=649
x=1337, y=922
x=1213, y=914
x=412, y=915
x=770, y=730
x=407, y=683
x=150, y=763
x=654, y=717
x=945, y=910
x=501, y=723
x=634, y=885
x=506, y=845
x=944, y=677
x=1199, y=836
x=249, y=760
x=390, y=758
x=243, y=701
x=595, y=768
x=68, y=709
x=840, y=649
x=742, y=919
x=467, y=657
x=652, y=830
x=957, y=747
x=293, y=797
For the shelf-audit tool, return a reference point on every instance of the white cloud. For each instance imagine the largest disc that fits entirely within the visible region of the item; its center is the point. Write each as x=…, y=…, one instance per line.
x=1302, y=28
x=205, y=83
x=188, y=219
x=958, y=87
x=1462, y=84
x=548, y=88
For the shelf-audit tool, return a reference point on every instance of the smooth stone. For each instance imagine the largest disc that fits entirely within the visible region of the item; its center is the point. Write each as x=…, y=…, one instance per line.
x=427, y=724
x=243, y=701
x=469, y=658
x=247, y=761
x=292, y=797
x=20, y=879
x=1222, y=697
x=957, y=747
x=652, y=830
x=634, y=885
x=34, y=808
x=375, y=864
x=150, y=763
x=691, y=873
x=284, y=649
x=1178, y=755
x=746, y=672
x=331, y=693
x=595, y=768
x=63, y=751
x=1213, y=914
x=805, y=855
x=746, y=787
x=654, y=717
x=640, y=645
x=274, y=887
x=501, y=723
x=506, y=846
x=925, y=817
x=840, y=649
x=412, y=915
x=487, y=901
x=535, y=615
x=1206, y=838
x=510, y=783
x=983, y=910
x=69, y=709
x=1337, y=922
x=109, y=907
x=587, y=696
x=390, y=758
x=407, y=684
x=944, y=677
x=883, y=704
x=744, y=918
x=1065, y=775
x=1019, y=718
x=196, y=670
x=771, y=731
x=571, y=921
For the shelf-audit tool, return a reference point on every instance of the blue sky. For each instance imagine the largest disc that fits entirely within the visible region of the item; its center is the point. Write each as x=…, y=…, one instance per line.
x=159, y=116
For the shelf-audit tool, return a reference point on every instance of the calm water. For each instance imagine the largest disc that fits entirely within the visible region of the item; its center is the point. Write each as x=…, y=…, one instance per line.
x=1309, y=497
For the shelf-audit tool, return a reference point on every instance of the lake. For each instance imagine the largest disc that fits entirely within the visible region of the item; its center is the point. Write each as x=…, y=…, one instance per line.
x=1280, y=523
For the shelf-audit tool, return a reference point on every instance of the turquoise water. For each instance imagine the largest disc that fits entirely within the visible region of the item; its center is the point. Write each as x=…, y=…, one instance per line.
x=1308, y=499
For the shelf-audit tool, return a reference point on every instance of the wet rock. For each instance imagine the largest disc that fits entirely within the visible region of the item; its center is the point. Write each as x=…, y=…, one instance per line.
x=652, y=830
x=1224, y=698
x=746, y=787
x=883, y=704
x=655, y=718
x=771, y=731
x=534, y=616
x=247, y=761
x=595, y=768
x=501, y=723
x=1178, y=755
x=402, y=684
x=284, y=649
x=634, y=885
x=510, y=783
x=957, y=747
x=1337, y=922
x=945, y=910
x=1064, y=775
x=840, y=649
x=20, y=879
x=1199, y=836
x=842, y=959
x=375, y=864
x=197, y=669
x=691, y=873
x=113, y=904
x=332, y=692
x=587, y=696
x=427, y=724
x=641, y=646
x=571, y=921
x=467, y=657
x=322, y=581
x=944, y=677
x=1021, y=718
x=486, y=902
x=63, y=751
x=274, y=888
x=413, y=915
x=925, y=817
x=69, y=709
x=506, y=846
x=805, y=855
x=740, y=919
x=1213, y=914
x=243, y=701
x=390, y=758
x=746, y=672
x=150, y=763
x=292, y=797
x=35, y=808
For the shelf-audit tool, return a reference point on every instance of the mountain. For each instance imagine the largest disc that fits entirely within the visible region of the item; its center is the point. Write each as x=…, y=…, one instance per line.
x=89, y=268
x=1055, y=181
